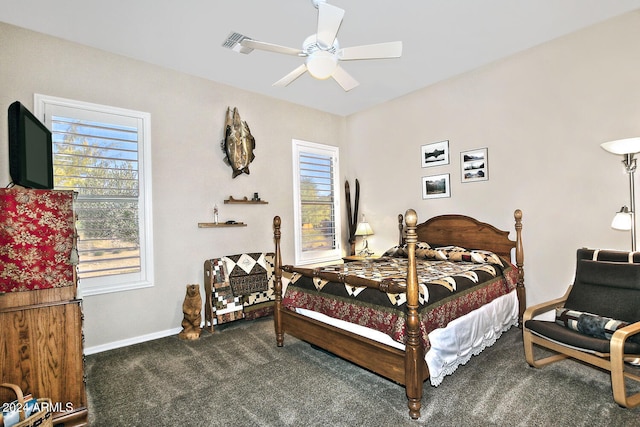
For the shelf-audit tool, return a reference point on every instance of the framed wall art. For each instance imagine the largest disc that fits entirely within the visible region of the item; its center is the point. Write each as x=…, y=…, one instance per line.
x=436, y=186
x=474, y=165
x=435, y=154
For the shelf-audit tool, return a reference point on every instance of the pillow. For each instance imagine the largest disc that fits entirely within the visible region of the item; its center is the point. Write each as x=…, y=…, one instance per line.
x=400, y=251
x=446, y=253
x=456, y=253
x=591, y=324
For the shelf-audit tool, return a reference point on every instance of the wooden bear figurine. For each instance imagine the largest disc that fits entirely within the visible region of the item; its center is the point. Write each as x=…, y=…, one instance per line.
x=192, y=309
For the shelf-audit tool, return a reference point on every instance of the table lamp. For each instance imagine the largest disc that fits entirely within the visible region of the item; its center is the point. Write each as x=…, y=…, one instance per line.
x=364, y=230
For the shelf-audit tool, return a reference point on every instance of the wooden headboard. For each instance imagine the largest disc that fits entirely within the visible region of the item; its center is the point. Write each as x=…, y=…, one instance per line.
x=469, y=233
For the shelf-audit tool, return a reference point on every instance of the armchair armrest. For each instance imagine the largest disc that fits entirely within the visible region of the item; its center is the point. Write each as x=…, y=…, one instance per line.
x=537, y=309
x=618, y=373
x=621, y=335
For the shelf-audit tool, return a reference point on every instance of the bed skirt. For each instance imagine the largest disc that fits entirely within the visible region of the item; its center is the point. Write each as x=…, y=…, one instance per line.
x=453, y=345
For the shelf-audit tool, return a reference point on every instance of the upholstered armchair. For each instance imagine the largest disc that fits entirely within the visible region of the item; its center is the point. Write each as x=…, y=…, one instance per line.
x=597, y=321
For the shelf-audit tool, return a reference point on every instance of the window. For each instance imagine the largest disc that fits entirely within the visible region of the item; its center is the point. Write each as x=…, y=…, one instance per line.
x=317, y=209
x=103, y=154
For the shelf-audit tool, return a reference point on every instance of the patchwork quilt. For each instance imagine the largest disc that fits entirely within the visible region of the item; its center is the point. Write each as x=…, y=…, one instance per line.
x=450, y=286
x=247, y=273
x=242, y=286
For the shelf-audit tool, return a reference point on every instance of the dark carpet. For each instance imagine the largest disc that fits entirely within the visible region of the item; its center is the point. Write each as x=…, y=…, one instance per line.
x=239, y=377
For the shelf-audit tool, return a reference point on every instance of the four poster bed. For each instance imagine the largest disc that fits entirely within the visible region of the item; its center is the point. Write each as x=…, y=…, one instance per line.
x=451, y=280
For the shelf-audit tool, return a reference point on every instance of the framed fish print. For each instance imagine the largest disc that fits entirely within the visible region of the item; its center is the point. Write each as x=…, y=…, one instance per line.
x=474, y=165
x=436, y=186
x=435, y=154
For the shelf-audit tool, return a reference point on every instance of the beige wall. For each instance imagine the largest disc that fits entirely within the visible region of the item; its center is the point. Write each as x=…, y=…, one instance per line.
x=542, y=114
x=189, y=175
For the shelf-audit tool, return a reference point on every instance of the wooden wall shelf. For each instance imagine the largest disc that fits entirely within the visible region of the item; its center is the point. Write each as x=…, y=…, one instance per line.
x=245, y=201
x=220, y=225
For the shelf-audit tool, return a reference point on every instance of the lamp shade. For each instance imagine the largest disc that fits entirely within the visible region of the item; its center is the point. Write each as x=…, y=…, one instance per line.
x=364, y=229
x=622, y=146
x=622, y=220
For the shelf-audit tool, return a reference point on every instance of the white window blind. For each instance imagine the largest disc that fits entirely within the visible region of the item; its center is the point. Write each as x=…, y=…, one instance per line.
x=100, y=162
x=99, y=153
x=317, y=216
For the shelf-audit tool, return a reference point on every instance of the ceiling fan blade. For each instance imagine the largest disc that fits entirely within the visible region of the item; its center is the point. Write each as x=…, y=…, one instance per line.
x=291, y=76
x=371, y=51
x=254, y=44
x=329, y=20
x=344, y=79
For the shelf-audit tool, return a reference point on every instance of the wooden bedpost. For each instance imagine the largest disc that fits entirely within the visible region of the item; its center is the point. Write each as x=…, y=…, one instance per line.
x=277, y=318
x=400, y=229
x=522, y=296
x=414, y=354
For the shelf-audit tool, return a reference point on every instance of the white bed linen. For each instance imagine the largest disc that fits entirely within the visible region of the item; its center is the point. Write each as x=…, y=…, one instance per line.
x=453, y=345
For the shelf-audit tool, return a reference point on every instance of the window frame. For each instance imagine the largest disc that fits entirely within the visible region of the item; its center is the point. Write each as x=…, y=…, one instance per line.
x=145, y=277
x=316, y=256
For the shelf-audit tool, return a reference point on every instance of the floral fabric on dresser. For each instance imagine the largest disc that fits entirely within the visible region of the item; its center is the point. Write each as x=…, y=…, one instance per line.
x=36, y=239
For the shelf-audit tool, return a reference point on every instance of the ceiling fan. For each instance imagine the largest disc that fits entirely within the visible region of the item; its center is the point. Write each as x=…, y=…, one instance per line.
x=321, y=51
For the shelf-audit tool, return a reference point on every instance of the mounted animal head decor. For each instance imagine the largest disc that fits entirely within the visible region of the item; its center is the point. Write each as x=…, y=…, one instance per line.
x=238, y=143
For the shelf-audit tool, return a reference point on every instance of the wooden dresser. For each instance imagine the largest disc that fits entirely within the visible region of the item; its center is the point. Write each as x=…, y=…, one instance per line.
x=41, y=342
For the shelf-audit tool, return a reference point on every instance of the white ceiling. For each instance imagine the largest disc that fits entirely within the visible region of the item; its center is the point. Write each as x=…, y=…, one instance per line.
x=441, y=38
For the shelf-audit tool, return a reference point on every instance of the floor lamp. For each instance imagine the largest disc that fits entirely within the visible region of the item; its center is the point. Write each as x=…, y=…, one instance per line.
x=626, y=218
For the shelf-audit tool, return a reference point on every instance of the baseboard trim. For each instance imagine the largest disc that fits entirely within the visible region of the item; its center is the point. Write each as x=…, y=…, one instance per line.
x=131, y=341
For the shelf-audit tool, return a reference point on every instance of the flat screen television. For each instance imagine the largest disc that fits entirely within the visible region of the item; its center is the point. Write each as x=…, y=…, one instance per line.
x=30, y=149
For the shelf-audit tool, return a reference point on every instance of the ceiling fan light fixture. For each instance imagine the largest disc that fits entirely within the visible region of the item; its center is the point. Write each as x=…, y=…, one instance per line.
x=321, y=50
x=321, y=64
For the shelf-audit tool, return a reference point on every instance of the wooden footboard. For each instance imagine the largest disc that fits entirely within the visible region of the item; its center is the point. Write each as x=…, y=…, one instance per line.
x=406, y=367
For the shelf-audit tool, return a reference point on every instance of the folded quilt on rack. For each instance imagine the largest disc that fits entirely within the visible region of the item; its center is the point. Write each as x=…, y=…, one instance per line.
x=247, y=273
x=242, y=286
